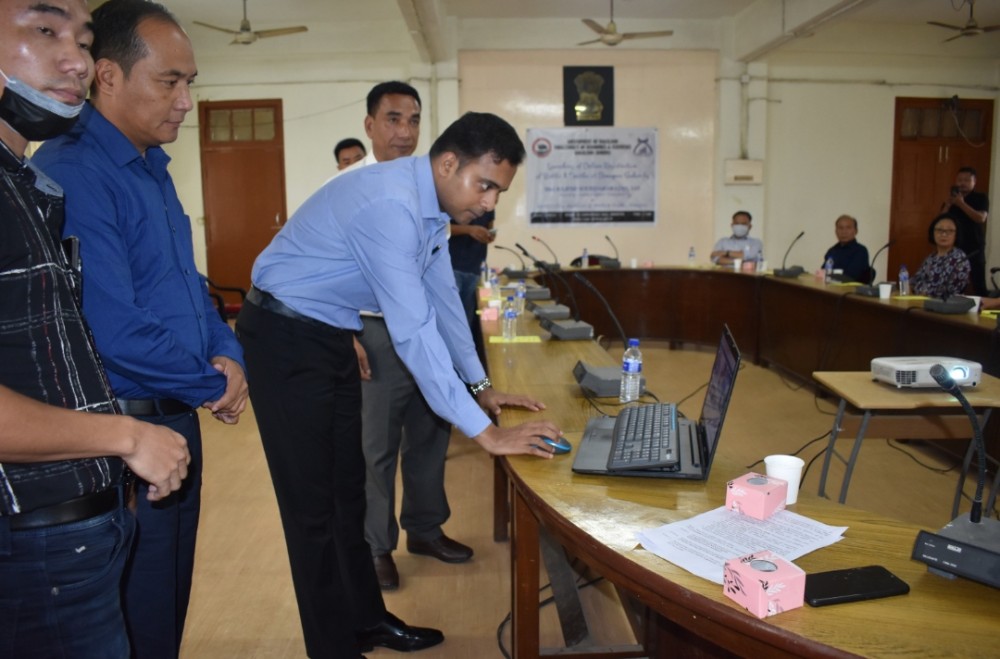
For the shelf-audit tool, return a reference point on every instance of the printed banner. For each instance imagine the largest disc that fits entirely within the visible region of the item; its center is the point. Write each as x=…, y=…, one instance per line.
x=591, y=175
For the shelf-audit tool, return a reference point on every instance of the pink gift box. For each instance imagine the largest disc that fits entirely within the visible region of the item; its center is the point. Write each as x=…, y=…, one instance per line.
x=485, y=293
x=489, y=313
x=756, y=495
x=764, y=583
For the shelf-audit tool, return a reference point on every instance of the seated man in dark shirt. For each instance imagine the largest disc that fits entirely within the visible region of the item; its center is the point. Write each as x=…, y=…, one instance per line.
x=849, y=256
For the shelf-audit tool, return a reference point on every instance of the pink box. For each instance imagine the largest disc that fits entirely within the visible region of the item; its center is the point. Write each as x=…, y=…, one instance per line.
x=485, y=293
x=489, y=313
x=764, y=583
x=756, y=495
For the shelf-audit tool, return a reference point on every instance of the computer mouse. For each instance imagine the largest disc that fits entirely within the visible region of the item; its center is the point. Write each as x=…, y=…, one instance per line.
x=559, y=445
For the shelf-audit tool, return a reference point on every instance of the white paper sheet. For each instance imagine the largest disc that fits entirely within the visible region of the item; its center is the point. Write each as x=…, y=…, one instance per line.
x=701, y=545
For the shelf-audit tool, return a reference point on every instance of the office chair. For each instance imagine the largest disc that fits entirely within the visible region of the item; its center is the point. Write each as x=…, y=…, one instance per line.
x=227, y=310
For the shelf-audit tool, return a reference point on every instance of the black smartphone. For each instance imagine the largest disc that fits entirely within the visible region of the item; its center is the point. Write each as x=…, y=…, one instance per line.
x=853, y=585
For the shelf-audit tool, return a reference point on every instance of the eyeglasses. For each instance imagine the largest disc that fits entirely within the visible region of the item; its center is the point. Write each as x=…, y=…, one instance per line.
x=944, y=231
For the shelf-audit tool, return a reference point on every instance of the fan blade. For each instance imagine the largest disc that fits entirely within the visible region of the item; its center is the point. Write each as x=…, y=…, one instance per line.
x=594, y=25
x=957, y=36
x=990, y=28
x=215, y=27
x=281, y=31
x=587, y=43
x=945, y=25
x=647, y=35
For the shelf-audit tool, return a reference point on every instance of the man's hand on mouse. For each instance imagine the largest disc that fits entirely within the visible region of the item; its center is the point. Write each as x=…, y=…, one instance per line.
x=524, y=439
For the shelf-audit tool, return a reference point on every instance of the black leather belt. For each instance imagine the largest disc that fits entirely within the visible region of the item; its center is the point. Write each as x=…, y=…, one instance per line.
x=268, y=302
x=74, y=510
x=153, y=407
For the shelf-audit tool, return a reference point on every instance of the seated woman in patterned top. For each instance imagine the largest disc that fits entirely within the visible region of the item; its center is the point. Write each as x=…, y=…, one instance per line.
x=946, y=271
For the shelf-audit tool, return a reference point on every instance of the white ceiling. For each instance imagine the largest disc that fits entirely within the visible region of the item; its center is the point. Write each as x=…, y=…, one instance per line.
x=341, y=29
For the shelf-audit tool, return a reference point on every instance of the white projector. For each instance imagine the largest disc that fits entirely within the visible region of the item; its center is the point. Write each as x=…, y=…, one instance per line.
x=915, y=372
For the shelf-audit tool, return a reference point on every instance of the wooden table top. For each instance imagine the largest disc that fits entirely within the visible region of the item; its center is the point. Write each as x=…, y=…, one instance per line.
x=858, y=389
x=597, y=518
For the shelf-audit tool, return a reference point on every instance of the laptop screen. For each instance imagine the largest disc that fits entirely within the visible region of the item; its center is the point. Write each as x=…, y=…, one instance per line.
x=720, y=389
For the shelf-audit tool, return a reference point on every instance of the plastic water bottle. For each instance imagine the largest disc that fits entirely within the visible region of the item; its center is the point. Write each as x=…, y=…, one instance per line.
x=584, y=259
x=520, y=296
x=828, y=270
x=495, y=286
x=691, y=256
x=484, y=274
x=631, y=387
x=510, y=319
x=904, y=280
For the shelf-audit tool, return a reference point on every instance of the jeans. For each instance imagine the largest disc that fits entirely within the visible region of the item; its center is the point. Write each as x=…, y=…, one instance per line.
x=60, y=589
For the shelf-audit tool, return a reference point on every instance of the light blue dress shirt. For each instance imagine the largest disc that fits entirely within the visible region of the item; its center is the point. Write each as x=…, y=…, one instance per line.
x=376, y=239
x=752, y=248
x=154, y=324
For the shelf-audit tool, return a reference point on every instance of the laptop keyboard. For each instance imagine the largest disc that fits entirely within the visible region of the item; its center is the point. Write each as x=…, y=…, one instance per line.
x=644, y=437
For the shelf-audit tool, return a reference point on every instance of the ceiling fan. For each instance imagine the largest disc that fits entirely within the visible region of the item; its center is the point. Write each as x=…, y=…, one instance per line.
x=970, y=29
x=246, y=36
x=610, y=36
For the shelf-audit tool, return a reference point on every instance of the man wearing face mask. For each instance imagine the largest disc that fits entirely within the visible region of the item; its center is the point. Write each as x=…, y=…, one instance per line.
x=739, y=245
x=166, y=350
x=64, y=529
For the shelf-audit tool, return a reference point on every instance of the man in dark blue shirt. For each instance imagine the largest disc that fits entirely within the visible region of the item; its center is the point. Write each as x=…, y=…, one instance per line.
x=849, y=256
x=166, y=349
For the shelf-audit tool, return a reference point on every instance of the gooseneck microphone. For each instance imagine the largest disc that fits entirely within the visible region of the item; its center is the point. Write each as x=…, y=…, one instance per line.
x=566, y=330
x=607, y=307
x=947, y=383
x=555, y=259
x=514, y=274
x=605, y=262
x=795, y=270
x=871, y=290
x=608, y=238
x=535, y=261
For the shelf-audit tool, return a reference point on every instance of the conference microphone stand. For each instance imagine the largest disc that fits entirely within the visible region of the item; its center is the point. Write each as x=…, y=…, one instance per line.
x=793, y=271
x=523, y=273
x=871, y=290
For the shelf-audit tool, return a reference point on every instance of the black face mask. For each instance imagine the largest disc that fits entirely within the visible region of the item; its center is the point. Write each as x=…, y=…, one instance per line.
x=33, y=114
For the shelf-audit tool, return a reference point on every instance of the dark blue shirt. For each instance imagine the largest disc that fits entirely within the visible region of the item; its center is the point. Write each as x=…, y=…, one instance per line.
x=852, y=258
x=467, y=253
x=155, y=326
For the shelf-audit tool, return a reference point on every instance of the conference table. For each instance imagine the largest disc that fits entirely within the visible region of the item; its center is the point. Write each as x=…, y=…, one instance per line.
x=674, y=613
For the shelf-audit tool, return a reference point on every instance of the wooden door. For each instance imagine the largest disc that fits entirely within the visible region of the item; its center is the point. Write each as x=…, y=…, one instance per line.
x=243, y=184
x=933, y=139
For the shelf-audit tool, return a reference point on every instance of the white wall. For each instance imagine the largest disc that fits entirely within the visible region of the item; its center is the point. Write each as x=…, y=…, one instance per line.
x=821, y=121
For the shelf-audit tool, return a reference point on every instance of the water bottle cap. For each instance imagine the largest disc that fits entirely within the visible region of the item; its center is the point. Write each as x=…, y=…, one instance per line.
x=633, y=343
x=510, y=298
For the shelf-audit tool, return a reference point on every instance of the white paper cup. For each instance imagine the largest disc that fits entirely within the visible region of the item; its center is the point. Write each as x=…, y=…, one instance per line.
x=787, y=468
x=885, y=291
x=975, y=307
x=737, y=265
x=634, y=263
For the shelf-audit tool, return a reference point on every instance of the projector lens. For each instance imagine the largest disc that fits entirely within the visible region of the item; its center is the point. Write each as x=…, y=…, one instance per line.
x=959, y=373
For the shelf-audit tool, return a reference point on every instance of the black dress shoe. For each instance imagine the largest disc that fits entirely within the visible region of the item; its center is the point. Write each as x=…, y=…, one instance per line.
x=385, y=570
x=396, y=635
x=443, y=548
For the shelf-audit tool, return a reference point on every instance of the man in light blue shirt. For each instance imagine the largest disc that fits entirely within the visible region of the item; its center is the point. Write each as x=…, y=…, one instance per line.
x=739, y=245
x=374, y=239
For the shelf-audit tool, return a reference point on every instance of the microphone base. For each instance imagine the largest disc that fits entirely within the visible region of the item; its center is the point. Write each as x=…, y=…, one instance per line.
x=867, y=291
x=789, y=273
x=601, y=381
x=551, y=311
x=962, y=549
x=537, y=293
x=515, y=274
x=568, y=330
x=609, y=263
x=956, y=304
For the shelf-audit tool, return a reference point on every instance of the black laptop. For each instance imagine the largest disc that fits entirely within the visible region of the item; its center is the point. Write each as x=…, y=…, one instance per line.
x=696, y=442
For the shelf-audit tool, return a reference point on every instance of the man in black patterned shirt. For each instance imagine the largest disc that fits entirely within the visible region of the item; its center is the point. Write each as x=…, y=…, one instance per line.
x=64, y=530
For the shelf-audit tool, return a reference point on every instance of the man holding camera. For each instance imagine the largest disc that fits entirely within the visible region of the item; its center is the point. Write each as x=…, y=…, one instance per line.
x=969, y=209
